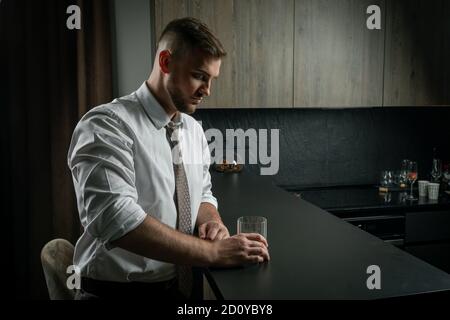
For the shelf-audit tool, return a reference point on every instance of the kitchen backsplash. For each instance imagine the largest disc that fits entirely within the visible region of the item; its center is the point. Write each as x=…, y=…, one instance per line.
x=329, y=147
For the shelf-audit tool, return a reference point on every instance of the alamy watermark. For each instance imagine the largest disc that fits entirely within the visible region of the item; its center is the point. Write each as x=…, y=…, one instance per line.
x=73, y=281
x=250, y=146
x=239, y=146
x=74, y=20
x=374, y=280
x=374, y=20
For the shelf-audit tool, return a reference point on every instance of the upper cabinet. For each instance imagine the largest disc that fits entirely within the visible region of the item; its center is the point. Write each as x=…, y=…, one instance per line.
x=417, y=65
x=320, y=53
x=338, y=61
x=257, y=35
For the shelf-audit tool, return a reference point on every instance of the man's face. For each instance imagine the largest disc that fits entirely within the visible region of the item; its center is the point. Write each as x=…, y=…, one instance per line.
x=190, y=79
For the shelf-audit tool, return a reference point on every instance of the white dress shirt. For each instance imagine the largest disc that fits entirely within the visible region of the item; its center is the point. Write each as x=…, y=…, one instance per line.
x=121, y=164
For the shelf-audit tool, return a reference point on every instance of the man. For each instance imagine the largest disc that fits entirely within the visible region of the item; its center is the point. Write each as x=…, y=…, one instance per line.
x=140, y=170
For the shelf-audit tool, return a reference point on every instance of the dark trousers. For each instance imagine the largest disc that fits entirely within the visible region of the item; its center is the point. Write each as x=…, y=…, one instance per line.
x=92, y=289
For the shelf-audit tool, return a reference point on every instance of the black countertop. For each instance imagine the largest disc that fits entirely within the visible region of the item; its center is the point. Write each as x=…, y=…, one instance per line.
x=314, y=255
x=344, y=201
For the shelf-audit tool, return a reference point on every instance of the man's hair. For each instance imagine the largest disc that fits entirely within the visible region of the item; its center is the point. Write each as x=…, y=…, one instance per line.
x=186, y=34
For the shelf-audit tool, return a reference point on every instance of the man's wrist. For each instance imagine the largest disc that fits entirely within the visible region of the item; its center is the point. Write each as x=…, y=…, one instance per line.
x=209, y=253
x=207, y=213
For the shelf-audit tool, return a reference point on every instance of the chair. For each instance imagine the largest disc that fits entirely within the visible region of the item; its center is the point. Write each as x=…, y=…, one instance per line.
x=56, y=256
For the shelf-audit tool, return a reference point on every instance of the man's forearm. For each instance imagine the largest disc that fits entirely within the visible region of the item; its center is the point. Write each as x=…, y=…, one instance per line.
x=207, y=212
x=155, y=240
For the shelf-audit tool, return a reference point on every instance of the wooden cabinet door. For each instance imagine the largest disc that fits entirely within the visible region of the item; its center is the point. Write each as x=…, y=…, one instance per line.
x=338, y=61
x=257, y=35
x=417, y=53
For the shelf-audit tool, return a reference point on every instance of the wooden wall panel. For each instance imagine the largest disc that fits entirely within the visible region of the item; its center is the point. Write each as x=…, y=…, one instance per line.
x=417, y=53
x=319, y=53
x=258, y=36
x=338, y=62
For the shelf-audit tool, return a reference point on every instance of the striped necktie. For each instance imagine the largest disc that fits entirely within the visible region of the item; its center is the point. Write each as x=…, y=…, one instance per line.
x=182, y=202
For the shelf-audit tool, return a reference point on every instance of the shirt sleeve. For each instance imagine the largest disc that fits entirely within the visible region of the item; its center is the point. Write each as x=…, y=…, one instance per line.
x=207, y=195
x=101, y=161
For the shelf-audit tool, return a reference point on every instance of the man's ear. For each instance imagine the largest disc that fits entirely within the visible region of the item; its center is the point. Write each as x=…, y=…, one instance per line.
x=164, y=59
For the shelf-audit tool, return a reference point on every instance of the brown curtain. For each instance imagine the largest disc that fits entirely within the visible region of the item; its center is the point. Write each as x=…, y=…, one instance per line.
x=50, y=77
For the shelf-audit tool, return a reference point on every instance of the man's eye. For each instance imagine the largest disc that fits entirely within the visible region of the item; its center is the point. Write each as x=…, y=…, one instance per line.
x=198, y=76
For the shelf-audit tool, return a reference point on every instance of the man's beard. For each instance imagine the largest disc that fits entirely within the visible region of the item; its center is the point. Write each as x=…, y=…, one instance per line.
x=180, y=104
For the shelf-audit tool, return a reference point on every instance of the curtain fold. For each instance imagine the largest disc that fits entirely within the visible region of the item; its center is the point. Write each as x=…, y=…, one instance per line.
x=51, y=76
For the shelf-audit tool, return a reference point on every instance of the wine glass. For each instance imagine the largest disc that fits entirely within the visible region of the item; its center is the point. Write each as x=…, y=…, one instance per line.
x=411, y=177
x=403, y=173
x=436, y=170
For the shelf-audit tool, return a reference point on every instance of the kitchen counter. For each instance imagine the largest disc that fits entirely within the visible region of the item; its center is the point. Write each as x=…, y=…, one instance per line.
x=314, y=255
x=344, y=201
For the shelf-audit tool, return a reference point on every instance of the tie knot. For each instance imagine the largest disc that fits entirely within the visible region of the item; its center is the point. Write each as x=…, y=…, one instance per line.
x=173, y=131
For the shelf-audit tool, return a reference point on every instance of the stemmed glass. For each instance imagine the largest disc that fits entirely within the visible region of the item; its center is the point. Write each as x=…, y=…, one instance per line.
x=411, y=177
x=403, y=172
x=436, y=170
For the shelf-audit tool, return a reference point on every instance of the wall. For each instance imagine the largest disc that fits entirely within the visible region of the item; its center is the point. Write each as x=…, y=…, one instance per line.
x=132, y=44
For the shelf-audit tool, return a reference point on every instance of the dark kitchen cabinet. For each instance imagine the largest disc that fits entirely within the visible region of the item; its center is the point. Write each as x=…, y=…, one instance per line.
x=436, y=254
x=390, y=228
x=424, y=234
x=421, y=228
x=427, y=236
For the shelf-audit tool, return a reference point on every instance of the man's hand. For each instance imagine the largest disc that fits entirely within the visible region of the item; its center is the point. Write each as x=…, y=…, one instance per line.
x=213, y=230
x=155, y=240
x=240, y=249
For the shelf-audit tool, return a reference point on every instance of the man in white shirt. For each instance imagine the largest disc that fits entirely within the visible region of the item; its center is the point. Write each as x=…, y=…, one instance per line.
x=123, y=158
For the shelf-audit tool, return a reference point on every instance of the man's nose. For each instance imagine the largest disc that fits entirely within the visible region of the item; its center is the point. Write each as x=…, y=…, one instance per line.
x=206, y=89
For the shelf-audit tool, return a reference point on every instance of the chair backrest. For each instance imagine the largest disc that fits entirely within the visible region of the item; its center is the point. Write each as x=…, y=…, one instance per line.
x=56, y=256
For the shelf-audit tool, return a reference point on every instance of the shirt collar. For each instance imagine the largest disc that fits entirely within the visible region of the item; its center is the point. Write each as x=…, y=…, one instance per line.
x=152, y=107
